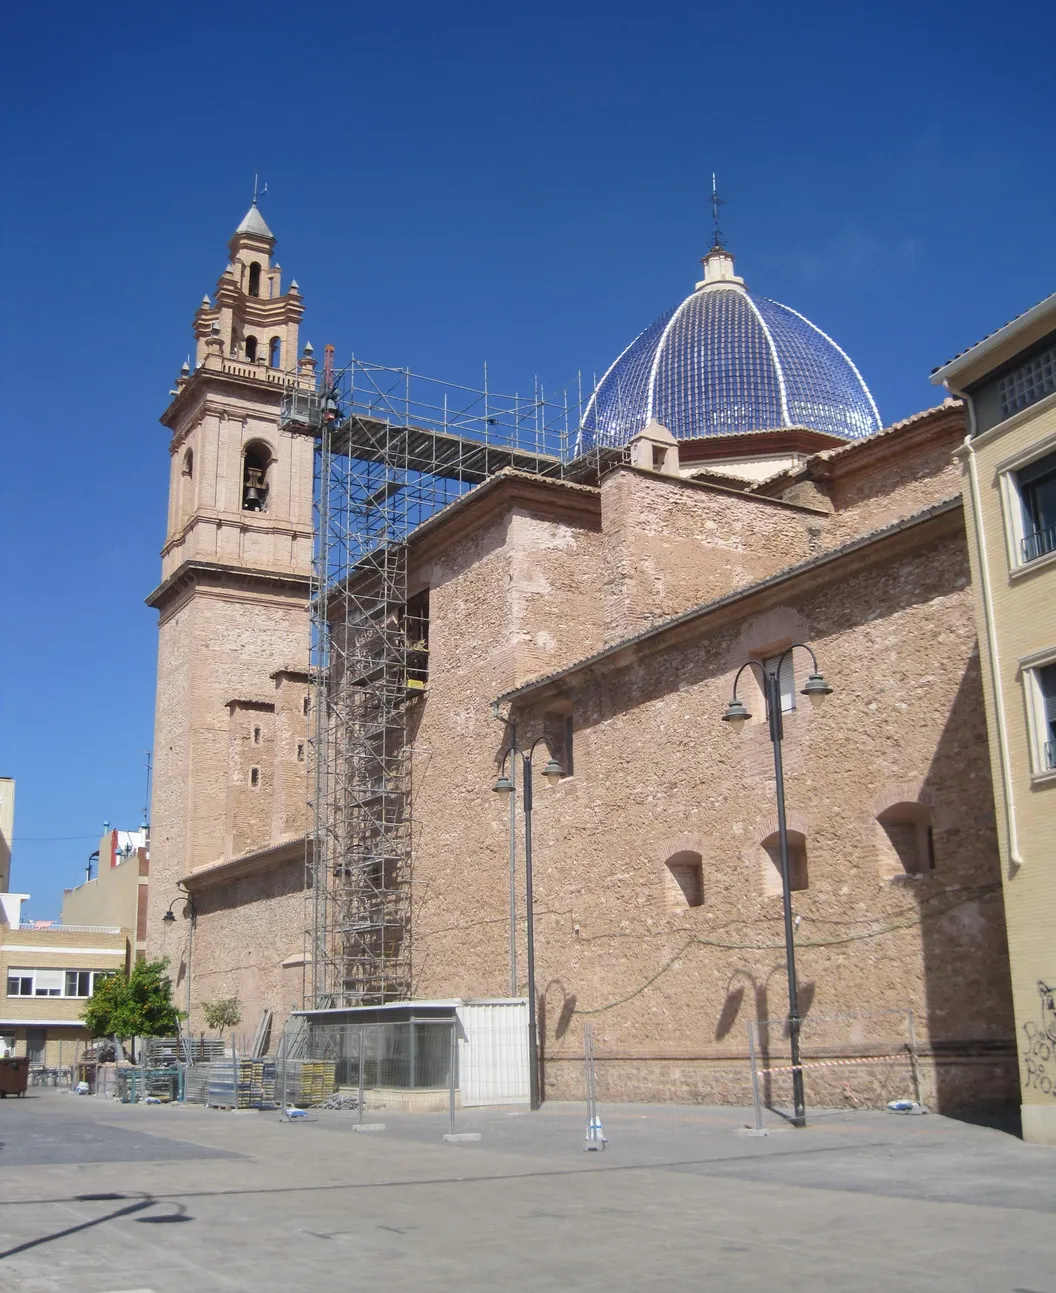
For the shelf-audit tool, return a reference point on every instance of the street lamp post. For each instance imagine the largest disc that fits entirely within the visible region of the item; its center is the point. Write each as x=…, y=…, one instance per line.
x=815, y=689
x=170, y=918
x=504, y=786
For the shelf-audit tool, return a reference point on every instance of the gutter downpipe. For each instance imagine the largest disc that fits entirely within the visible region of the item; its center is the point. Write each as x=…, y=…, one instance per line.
x=1014, y=855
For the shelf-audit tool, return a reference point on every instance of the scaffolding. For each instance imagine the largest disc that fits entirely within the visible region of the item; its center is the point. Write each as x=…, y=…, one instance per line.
x=392, y=450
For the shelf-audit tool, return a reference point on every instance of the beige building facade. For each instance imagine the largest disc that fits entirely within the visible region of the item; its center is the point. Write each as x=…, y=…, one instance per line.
x=1009, y=459
x=49, y=971
x=7, y=830
x=116, y=896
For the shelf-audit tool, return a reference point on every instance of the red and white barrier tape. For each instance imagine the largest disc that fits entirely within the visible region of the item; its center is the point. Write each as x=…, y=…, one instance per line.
x=829, y=1064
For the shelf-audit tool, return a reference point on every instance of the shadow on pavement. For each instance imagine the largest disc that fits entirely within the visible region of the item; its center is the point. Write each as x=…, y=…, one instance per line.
x=139, y=1204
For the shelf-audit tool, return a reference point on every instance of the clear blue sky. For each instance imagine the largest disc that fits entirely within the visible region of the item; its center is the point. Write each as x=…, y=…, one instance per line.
x=449, y=184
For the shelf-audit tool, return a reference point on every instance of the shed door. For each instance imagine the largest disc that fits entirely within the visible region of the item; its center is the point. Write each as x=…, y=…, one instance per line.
x=493, y=1055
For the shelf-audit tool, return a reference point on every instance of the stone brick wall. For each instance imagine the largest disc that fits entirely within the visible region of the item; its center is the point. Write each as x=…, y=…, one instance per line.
x=657, y=774
x=873, y=483
x=247, y=929
x=218, y=653
x=671, y=544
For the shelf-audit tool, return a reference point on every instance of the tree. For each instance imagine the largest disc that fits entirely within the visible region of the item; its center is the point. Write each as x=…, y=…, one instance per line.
x=133, y=1005
x=224, y=1012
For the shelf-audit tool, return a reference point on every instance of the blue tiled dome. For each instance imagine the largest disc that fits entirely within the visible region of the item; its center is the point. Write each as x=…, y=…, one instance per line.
x=726, y=361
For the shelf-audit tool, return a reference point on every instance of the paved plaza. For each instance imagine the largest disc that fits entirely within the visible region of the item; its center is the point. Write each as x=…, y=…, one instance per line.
x=99, y=1197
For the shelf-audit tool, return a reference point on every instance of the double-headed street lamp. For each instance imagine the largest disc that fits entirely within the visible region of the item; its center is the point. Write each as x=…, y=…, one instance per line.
x=504, y=787
x=170, y=919
x=816, y=689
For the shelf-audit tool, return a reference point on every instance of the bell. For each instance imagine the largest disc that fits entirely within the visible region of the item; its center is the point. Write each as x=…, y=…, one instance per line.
x=253, y=494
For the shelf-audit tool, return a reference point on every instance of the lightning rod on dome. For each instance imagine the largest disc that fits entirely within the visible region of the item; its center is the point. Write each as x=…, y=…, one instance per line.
x=256, y=185
x=716, y=202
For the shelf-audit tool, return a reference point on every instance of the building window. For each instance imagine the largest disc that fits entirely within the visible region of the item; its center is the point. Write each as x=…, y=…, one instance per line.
x=251, y=349
x=685, y=880
x=416, y=632
x=188, y=464
x=797, y=862
x=254, y=777
x=907, y=840
x=1028, y=383
x=1040, y=687
x=82, y=983
x=256, y=736
x=1036, y=489
x=274, y=352
x=54, y=983
x=300, y=751
x=784, y=667
x=254, y=279
x=558, y=728
x=19, y=983
x=306, y=703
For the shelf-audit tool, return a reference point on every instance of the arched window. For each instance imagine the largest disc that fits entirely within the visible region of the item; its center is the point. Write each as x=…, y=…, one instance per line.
x=254, y=279
x=907, y=844
x=251, y=349
x=274, y=352
x=186, y=483
x=685, y=880
x=255, y=466
x=797, y=862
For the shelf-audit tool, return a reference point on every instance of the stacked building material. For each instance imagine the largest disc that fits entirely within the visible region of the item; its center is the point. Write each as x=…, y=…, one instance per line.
x=308, y=1082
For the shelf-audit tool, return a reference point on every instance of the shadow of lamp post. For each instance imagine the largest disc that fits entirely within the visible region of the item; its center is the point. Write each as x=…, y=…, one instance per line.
x=815, y=689
x=504, y=787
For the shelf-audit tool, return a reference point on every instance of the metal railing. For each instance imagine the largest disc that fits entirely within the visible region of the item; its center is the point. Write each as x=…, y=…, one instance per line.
x=1039, y=543
x=56, y=927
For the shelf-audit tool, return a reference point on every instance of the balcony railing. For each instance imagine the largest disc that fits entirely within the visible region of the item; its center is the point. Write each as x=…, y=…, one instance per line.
x=1039, y=543
x=55, y=927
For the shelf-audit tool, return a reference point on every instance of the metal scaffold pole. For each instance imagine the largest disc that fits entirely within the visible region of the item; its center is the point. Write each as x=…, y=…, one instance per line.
x=392, y=450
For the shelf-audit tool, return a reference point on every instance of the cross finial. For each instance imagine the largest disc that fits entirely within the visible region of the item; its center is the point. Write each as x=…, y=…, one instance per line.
x=716, y=202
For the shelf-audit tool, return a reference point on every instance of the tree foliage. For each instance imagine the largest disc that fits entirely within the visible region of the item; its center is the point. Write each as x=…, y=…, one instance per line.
x=133, y=1005
x=224, y=1012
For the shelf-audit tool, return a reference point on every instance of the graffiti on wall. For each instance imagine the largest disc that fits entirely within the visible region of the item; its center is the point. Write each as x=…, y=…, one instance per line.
x=1040, y=1054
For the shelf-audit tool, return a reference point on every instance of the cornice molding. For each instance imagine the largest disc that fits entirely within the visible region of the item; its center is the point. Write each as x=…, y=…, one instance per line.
x=192, y=575
x=228, y=870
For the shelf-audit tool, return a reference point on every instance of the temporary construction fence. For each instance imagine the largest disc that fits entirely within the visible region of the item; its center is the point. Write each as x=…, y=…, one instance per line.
x=858, y=1060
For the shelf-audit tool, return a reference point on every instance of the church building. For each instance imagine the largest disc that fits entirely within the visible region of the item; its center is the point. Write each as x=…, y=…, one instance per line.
x=327, y=746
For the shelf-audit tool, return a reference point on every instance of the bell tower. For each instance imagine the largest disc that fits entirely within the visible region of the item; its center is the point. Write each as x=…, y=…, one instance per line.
x=229, y=800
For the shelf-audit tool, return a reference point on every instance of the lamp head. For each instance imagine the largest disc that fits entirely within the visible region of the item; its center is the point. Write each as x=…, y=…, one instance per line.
x=816, y=689
x=736, y=714
x=170, y=917
x=552, y=771
x=504, y=786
